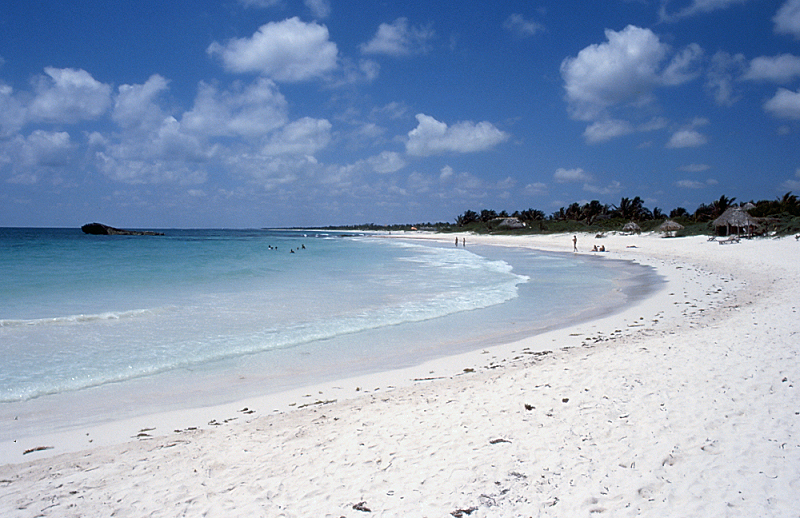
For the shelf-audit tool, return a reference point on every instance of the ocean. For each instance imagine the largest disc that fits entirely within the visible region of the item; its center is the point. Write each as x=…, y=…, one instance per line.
x=201, y=317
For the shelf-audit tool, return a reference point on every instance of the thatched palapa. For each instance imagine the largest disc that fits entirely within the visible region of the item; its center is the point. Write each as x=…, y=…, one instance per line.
x=631, y=227
x=735, y=220
x=669, y=227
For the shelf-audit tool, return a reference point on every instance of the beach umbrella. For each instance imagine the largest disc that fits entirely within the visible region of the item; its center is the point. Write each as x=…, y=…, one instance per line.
x=670, y=226
x=736, y=218
x=631, y=227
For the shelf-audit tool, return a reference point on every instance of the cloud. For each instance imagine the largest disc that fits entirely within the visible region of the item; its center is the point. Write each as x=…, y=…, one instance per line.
x=398, y=39
x=287, y=51
x=690, y=184
x=778, y=69
x=794, y=183
x=787, y=19
x=67, y=95
x=446, y=174
x=720, y=77
x=613, y=187
x=695, y=8
x=13, y=113
x=535, y=188
x=683, y=67
x=571, y=175
x=694, y=168
x=250, y=111
x=135, y=105
x=39, y=152
x=624, y=70
x=602, y=131
x=319, y=8
x=303, y=137
x=522, y=27
x=386, y=162
x=432, y=137
x=163, y=154
x=686, y=138
x=259, y=3
x=784, y=105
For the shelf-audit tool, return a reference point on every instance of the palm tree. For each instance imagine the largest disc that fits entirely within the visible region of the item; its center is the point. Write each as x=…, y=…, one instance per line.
x=631, y=210
x=591, y=210
x=573, y=212
x=678, y=212
x=468, y=217
x=530, y=215
x=789, y=204
x=488, y=215
x=721, y=205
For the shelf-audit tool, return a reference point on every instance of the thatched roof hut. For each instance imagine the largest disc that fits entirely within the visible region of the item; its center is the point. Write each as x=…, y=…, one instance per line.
x=511, y=223
x=735, y=220
x=669, y=227
x=631, y=227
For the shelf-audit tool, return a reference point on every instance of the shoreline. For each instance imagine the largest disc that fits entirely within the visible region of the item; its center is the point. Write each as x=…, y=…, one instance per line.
x=683, y=403
x=118, y=412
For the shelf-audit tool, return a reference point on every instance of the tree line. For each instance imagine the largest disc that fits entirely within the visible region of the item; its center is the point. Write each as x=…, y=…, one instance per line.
x=781, y=215
x=633, y=209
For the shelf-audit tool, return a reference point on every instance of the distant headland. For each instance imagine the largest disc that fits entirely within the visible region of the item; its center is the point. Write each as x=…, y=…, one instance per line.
x=99, y=229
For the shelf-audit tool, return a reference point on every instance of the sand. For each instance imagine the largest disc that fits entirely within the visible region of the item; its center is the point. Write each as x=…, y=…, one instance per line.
x=684, y=404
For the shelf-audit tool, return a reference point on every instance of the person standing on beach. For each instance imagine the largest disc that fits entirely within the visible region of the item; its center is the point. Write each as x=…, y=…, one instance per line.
x=574, y=243
x=456, y=241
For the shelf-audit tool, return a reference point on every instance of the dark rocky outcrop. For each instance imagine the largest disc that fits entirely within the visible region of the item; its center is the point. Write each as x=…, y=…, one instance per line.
x=99, y=229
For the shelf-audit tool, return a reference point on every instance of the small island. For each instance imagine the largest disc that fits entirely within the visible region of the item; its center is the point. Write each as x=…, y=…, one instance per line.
x=99, y=229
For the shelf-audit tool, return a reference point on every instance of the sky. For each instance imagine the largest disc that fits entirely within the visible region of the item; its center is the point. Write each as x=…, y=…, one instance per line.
x=288, y=113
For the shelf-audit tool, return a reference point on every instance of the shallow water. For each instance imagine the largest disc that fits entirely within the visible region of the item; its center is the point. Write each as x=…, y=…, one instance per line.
x=202, y=317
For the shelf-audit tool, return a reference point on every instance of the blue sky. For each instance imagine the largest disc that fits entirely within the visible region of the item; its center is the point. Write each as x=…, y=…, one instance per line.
x=256, y=113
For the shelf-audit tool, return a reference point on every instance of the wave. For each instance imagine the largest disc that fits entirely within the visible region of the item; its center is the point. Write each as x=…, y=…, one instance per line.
x=79, y=319
x=432, y=282
x=188, y=353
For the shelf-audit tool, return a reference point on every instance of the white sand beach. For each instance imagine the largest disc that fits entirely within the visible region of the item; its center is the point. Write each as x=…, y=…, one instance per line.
x=685, y=404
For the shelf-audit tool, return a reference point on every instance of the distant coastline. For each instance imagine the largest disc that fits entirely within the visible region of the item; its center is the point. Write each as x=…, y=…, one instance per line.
x=98, y=229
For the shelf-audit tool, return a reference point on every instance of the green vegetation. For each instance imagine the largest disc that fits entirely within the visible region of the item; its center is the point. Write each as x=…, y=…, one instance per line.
x=781, y=217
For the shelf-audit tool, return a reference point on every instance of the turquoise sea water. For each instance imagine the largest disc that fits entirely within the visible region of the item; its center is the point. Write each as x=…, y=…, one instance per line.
x=210, y=316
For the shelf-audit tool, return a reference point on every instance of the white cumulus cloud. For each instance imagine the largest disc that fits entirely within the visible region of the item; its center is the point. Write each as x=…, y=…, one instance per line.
x=432, y=137
x=571, y=175
x=695, y=8
x=690, y=184
x=625, y=70
x=787, y=19
x=686, y=138
x=302, y=137
x=386, y=162
x=287, y=51
x=66, y=95
x=399, y=39
x=518, y=25
x=604, y=130
x=721, y=76
x=12, y=112
x=793, y=184
x=136, y=106
x=779, y=69
x=785, y=104
x=694, y=168
x=319, y=8
x=251, y=110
